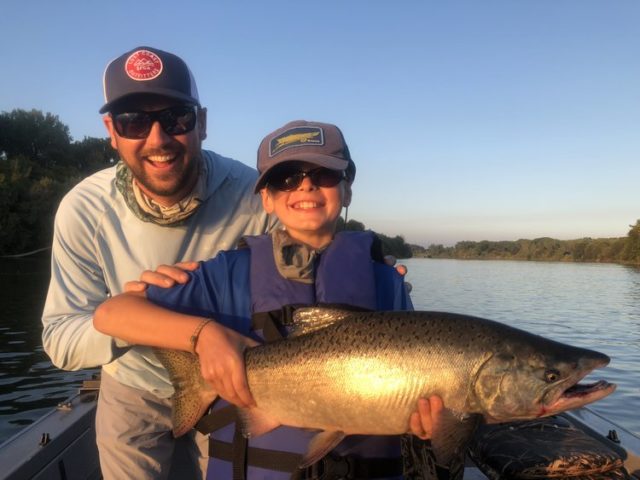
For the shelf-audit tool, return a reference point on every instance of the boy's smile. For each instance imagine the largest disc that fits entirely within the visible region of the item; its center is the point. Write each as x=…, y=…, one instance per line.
x=306, y=205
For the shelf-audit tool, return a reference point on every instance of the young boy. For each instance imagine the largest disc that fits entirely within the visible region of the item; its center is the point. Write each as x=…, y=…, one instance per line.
x=305, y=179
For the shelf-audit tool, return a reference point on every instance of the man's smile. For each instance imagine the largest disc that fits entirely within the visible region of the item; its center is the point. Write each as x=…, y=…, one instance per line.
x=162, y=161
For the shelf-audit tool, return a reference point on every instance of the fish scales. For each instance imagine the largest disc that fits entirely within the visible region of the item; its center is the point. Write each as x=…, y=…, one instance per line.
x=382, y=366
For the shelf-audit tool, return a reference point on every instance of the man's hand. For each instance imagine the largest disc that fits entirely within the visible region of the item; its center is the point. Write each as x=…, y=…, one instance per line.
x=164, y=276
x=221, y=354
x=422, y=422
x=401, y=269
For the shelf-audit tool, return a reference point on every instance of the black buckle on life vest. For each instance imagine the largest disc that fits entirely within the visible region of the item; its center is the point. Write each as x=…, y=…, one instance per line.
x=331, y=467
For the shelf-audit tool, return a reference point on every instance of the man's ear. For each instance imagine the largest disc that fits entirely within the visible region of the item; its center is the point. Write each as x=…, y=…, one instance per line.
x=202, y=123
x=346, y=201
x=108, y=122
x=267, y=200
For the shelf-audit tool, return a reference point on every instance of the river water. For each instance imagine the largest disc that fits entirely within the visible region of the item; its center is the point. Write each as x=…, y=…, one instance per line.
x=29, y=384
x=590, y=305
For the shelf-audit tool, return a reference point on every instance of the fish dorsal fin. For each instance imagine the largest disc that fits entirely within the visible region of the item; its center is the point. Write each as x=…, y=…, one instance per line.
x=311, y=319
x=253, y=422
x=193, y=396
x=451, y=434
x=320, y=445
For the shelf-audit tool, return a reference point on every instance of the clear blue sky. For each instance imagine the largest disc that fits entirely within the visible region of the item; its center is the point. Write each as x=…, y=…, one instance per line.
x=468, y=120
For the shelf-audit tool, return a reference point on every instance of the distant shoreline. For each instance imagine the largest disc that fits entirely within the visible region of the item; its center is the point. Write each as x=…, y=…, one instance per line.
x=491, y=259
x=618, y=250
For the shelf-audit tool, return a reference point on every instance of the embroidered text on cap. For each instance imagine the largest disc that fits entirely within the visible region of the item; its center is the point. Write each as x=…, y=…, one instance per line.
x=143, y=65
x=296, y=137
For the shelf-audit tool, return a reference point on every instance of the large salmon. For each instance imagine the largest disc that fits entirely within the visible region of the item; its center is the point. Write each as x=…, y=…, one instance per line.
x=349, y=373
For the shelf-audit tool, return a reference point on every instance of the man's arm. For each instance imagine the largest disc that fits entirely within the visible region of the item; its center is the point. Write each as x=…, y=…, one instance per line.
x=76, y=288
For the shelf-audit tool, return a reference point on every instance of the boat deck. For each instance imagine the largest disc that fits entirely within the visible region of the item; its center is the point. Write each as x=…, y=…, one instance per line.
x=59, y=445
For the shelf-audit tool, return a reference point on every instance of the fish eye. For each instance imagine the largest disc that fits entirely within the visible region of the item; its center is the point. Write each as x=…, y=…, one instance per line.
x=551, y=375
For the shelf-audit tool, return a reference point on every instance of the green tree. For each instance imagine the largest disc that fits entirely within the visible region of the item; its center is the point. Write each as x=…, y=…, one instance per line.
x=631, y=252
x=92, y=154
x=42, y=138
x=395, y=246
x=38, y=164
x=14, y=186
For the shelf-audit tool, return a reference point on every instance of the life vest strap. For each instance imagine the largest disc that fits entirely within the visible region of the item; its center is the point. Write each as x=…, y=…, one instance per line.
x=216, y=419
x=239, y=455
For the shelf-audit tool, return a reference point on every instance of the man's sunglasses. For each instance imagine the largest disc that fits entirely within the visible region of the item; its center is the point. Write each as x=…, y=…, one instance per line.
x=287, y=179
x=173, y=120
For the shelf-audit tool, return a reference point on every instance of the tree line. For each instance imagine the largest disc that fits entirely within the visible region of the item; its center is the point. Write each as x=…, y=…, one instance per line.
x=395, y=246
x=40, y=162
x=624, y=250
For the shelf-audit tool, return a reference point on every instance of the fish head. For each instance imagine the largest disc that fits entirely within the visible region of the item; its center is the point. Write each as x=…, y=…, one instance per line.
x=527, y=381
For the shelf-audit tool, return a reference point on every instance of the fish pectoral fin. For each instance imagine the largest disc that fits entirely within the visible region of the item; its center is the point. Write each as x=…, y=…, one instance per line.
x=451, y=435
x=320, y=445
x=253, y=422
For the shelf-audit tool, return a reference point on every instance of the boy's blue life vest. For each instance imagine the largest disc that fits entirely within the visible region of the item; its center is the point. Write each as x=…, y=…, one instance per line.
x=345, y=274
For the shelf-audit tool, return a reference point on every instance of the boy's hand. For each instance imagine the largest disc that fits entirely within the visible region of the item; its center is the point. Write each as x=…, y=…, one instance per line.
x=421, y=422
x=221, y=354
x=164, y=276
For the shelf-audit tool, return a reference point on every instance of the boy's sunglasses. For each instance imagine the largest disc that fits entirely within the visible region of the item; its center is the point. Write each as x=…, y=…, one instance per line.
x=287, y=179
x=173, y=120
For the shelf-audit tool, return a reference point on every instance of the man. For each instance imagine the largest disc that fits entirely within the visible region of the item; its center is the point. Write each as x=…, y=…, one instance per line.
x=165, y=201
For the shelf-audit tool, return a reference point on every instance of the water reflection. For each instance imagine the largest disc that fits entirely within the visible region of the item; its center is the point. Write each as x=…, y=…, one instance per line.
x=29, y=384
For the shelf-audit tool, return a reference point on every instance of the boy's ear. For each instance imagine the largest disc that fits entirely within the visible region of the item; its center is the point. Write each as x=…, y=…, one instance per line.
x=267, y=200
x=346, y=201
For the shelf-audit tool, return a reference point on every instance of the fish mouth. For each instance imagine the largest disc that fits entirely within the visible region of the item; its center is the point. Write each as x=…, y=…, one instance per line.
x=578, y=395
x=581, y=390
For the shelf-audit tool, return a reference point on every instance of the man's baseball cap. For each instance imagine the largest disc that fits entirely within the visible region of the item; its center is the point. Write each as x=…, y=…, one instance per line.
x=146, y=70
x=319, y=143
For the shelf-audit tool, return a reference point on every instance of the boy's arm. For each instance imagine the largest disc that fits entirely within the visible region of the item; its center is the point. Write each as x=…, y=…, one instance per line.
x=220, y=350
x=134, y=319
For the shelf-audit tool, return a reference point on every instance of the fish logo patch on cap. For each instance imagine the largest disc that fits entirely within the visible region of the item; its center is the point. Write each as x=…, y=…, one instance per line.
x=143, y=65
x=296, y=137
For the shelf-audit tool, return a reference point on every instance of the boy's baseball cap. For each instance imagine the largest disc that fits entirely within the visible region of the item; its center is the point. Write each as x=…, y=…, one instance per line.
x=147, y=70
x=319, y=143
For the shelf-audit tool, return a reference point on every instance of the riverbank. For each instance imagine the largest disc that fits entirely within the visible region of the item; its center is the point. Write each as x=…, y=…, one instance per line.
x=621, y=250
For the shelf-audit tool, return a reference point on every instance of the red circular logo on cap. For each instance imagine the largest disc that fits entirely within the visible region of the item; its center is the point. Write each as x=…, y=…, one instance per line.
x=143, y=65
